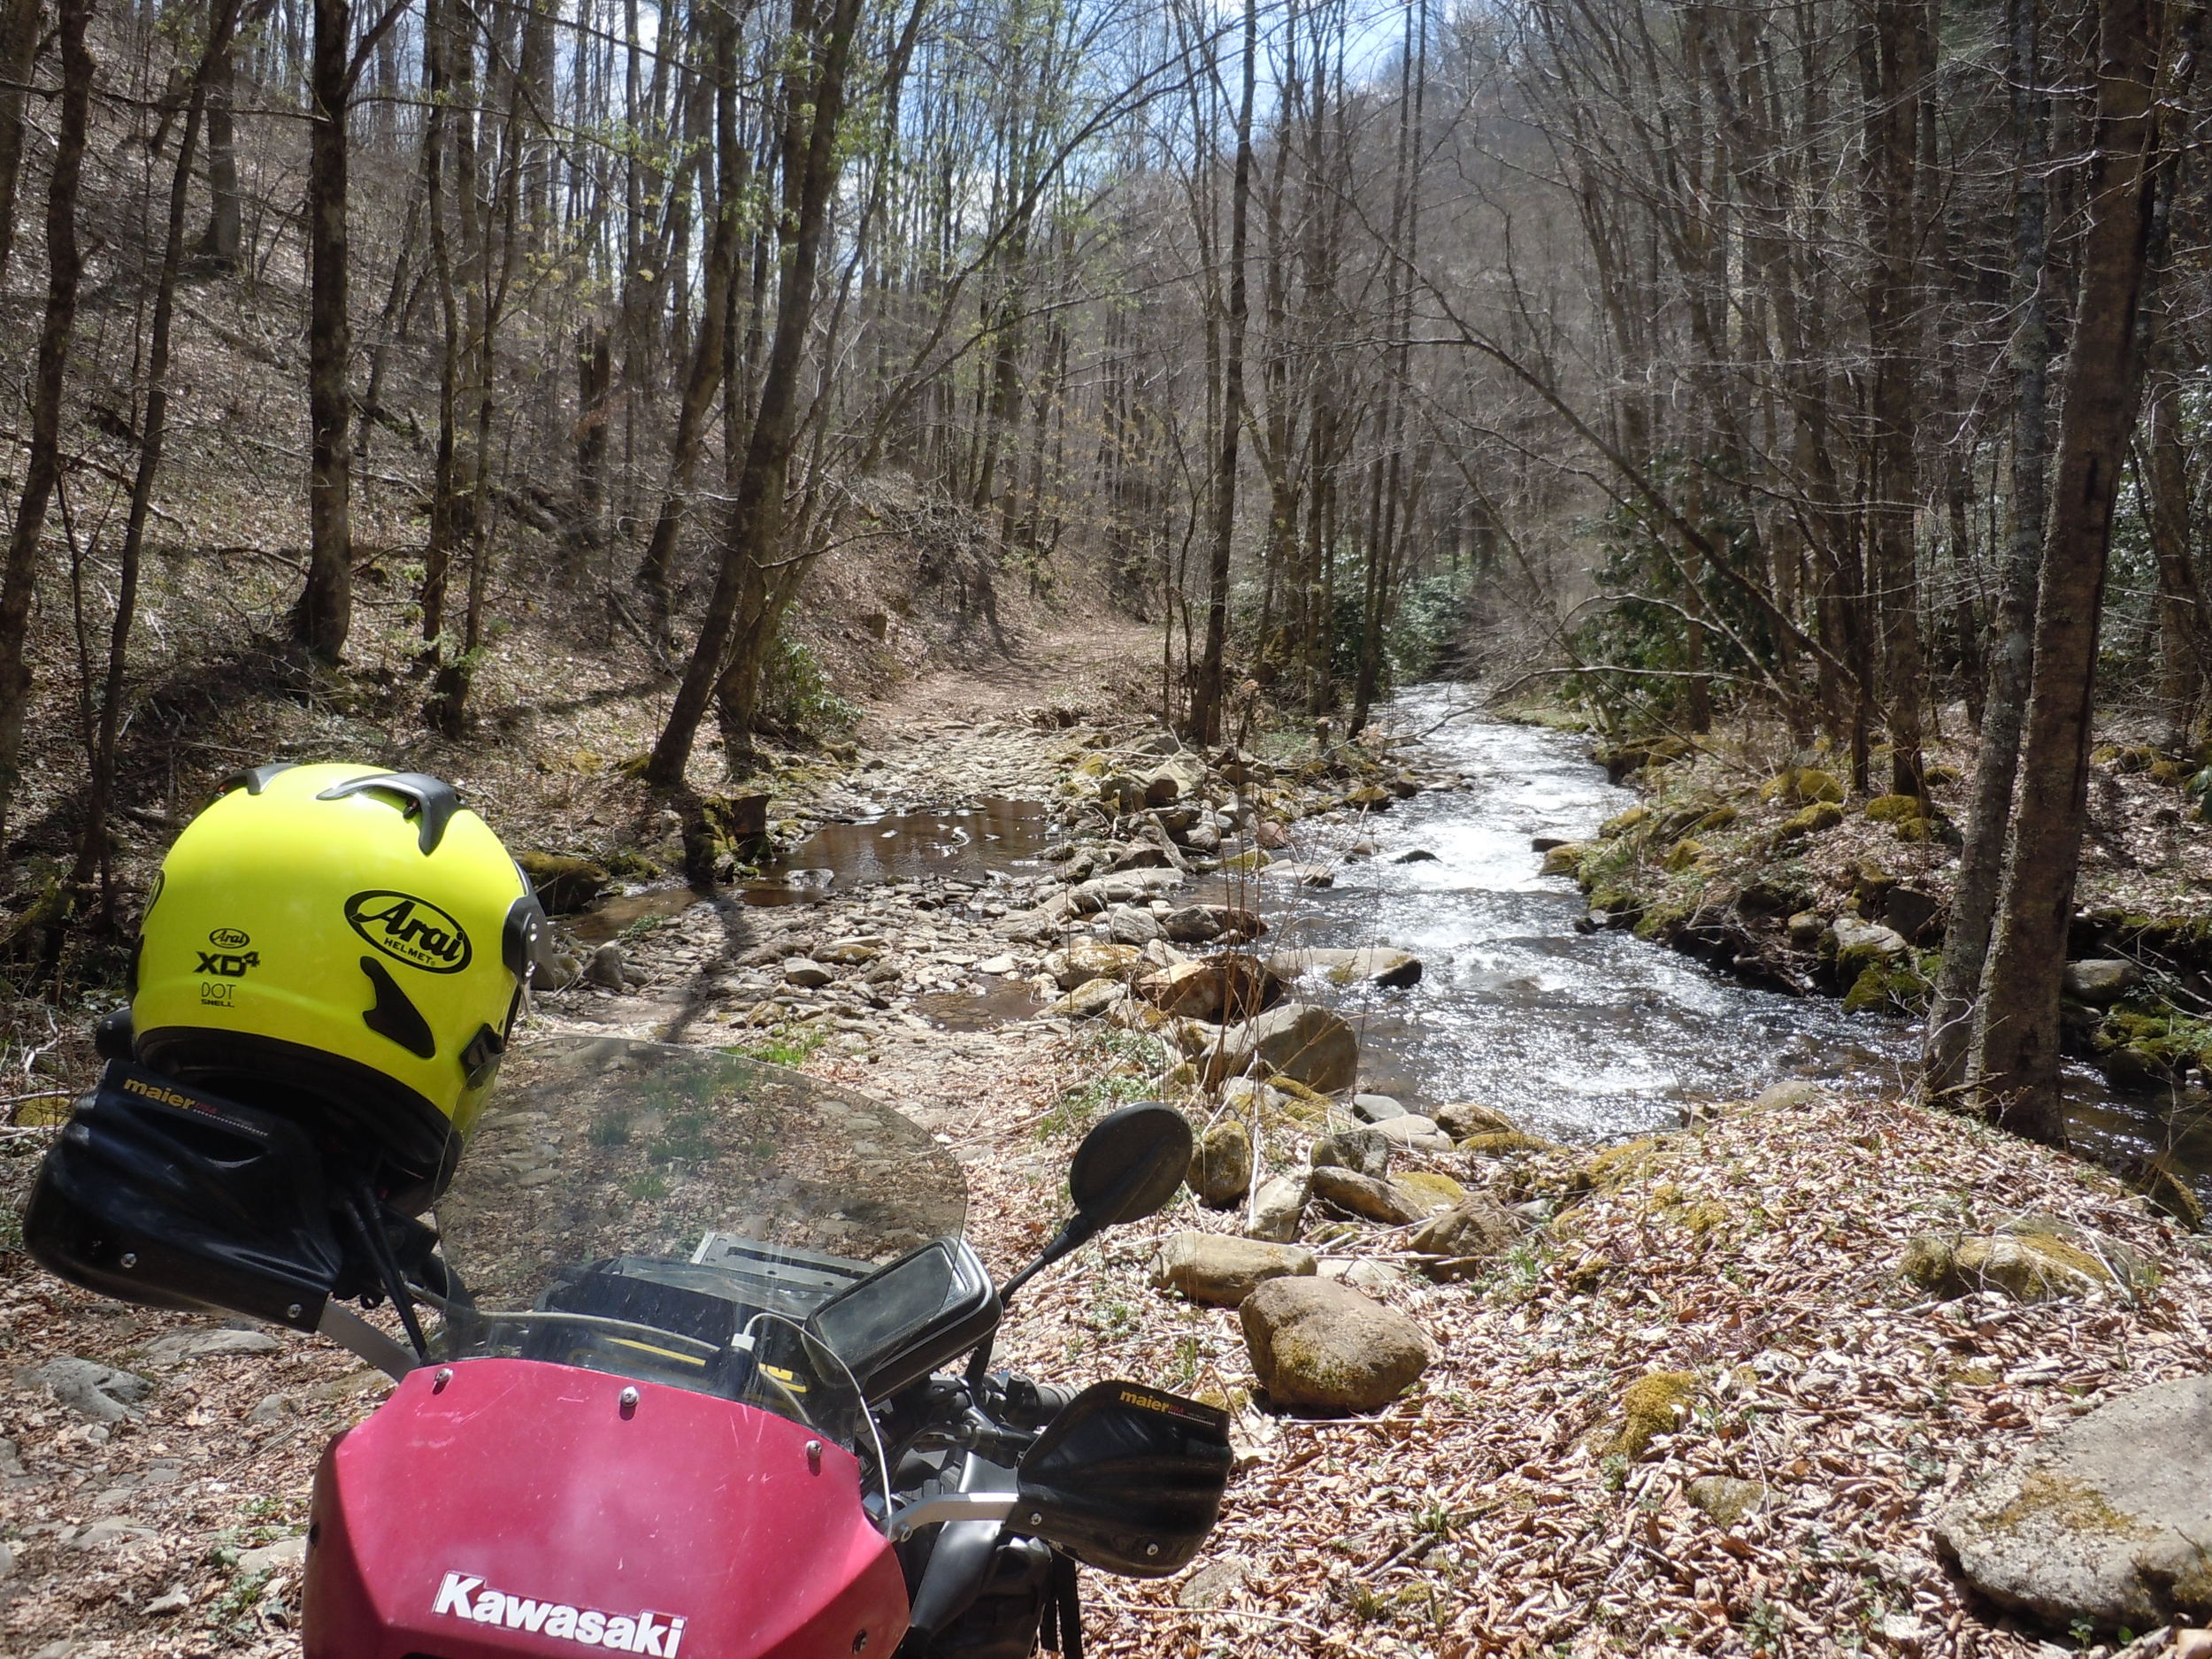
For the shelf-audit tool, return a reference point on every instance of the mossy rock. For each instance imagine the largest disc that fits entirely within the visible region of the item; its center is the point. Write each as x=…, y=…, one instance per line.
x=1940, y=775
x=1659, y=921
x=1719, y=818
x=1504, y=1143
x=2164, y=1188
x=1614, y=1167
x=1656, y=1403
x=629, y=864
x=2139, y=1050
x=1683, y=854
x=1308, y=1105
x=564, y=883
x=1926, y=831
x=1622, y=822
x=1563, y=860
x=2172, y=773
x=1247, y=862
x=1435, y=1193
x=1800, y=786
x=2027, y=1265
x=1813, y=820
x=1892, y=809
x=1889, y=987
x=1707, y=1216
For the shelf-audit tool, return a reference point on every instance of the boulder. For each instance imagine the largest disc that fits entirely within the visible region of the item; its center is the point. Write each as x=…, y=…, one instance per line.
x=1463, y=1118
x=1813, y=820
x=1298, y=1041
x=1420, y=856
x=1801, y=785
x=1222, y=1270
x=180, y=1346
x=2101, y=981
x=1360, y=1149
x=1088, y=959
x=852, y=952
x=2107, y=1523
x=806, y=973
x=1372, y=1109
x=1089, y=1000
x=1221, y=1163
x=1364, y=1196
x=1911, y=911
x=90, y=1389
x=1324, y=1345
x=1306, y=875
x=1459, y=1240
x=1504, y=1143
x=1278, y=1207
x=1126, y=925
x=1273, y=835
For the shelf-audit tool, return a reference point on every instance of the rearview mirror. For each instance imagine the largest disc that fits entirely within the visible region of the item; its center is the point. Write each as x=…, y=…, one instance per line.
x=1127, y=1478
x=1130, y=1164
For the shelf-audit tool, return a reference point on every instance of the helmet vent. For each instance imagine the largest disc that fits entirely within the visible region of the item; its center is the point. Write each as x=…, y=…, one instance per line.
x=432, y=801
x=394, y=1016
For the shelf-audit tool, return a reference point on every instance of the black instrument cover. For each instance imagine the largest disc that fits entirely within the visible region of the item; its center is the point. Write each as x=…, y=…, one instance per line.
x=171, y=1197
x=1127, y=1479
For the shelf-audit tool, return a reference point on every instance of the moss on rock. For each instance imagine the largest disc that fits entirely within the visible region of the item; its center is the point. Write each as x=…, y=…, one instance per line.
x=1656, y=1403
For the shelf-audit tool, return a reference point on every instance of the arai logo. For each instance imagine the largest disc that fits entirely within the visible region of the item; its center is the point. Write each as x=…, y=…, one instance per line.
x=229, y=938
x=654, y=1634
x=410, y=930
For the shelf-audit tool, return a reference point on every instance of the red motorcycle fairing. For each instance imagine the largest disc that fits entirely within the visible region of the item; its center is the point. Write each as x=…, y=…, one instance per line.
x=518, y=1508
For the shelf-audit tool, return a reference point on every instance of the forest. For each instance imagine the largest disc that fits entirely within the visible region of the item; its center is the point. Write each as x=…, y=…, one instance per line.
x=1827, y=363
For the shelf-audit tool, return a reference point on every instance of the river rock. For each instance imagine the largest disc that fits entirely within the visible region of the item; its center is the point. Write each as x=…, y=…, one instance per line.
x=1126, y=925
x=1459, y=1239
x=1434, y=1194
x=1273, y=835
x=2109, y=1522
x=1228, y=986
x=1373, y=1109
x=1374, y=965
x=1563, y=860
x=286, y=1552
x=1417, y=856
x=1222, y=1270
x=1315, y=1344
x=1088, y=898
x=1466, y=1117
x=1364, y=1196
x=853, y=952
x=90, y=1389
x=1089, y=1000
x=606, y=969
x=1178, y=777
x=1911, y=911
x=1221, y=1163
x=1192, y=925
x=1307, y=1044
x=1856, y=945
x=1414, y=1133
x=1361, y=1150
x=1278, y=1207
x=1088, y=959
x=2101, y=981
x=806, y=973
x=1306, y=875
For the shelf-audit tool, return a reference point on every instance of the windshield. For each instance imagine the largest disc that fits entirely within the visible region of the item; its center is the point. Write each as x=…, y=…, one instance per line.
x=674, y=1214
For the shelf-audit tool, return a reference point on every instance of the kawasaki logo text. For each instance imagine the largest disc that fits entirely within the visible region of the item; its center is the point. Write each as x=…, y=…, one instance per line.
x=410, y=930
x=653, y=1635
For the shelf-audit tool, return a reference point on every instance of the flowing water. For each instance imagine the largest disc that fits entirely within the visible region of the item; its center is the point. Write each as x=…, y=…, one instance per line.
x=1585, y=1034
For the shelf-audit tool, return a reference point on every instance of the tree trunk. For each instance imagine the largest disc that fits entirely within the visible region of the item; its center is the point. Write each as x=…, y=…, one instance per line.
x=325, y=613
x=1207, y=688
x=811, y=171
x=19, y=38
x=2015, y=1030
x=1948, y=1038
x=42, y=470
x=2181, y=623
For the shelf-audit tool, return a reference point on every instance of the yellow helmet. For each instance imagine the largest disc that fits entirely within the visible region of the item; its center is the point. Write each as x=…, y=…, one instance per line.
x=346, y=946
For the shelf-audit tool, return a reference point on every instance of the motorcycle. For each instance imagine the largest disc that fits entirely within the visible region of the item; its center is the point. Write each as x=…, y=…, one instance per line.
x=696, y=1365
